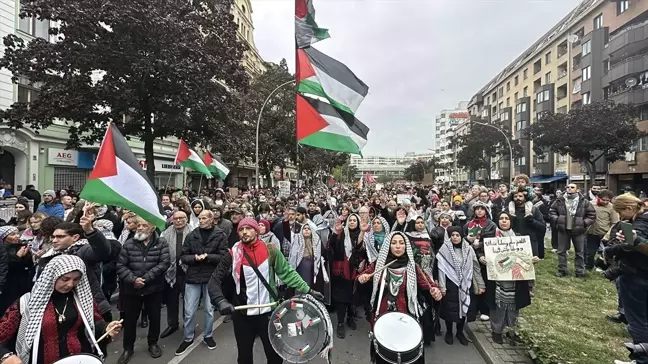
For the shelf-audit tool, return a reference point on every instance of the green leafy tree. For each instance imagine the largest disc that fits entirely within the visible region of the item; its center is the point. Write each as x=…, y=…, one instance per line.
x=384, y=179
x=419, y=168
x=587, y=133
x=318, y=164
x=345, y=172
x=154, y=68
x=483, y=146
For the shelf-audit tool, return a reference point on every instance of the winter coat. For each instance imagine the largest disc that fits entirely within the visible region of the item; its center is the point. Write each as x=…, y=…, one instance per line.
x=633, y=258
x=52, y=209
x=199, y=272
x=584, y=218
x=149, y=262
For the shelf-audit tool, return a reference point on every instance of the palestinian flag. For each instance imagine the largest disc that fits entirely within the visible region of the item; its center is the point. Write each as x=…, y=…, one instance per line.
x=216, y=166
x=323, y=76
x=306, y=30
x=321, y=125
x=188, y=158
x=118, y=180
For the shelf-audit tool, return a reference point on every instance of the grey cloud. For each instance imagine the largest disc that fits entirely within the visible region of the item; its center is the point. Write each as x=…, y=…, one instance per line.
x=417, y=56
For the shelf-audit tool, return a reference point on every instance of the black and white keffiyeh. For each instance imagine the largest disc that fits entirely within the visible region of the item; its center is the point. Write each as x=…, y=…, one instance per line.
x=459, y=271
x=372, y=253
x=348, y=245
x=170, y=235
x=378, y=279
x=298, y=246
x=29, y=332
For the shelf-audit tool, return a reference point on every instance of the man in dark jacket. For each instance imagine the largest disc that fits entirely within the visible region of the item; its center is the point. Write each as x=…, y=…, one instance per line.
x=572, y=215
x=202, y=250
x=88, y=244
x=142, y=263
x=541, y=204
x=31, y=193
x=527, y=222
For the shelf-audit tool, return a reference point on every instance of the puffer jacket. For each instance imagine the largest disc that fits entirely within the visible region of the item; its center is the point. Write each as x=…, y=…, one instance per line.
x=199, y=272
x=584, y=218
x=139, y=261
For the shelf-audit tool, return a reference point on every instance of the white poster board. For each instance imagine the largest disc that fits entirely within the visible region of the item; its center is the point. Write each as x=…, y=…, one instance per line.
x=509, y=258
x=284, y=188
x=402, y=197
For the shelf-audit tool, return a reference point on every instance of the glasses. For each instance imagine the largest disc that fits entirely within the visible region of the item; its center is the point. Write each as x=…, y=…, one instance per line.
x=571, y=187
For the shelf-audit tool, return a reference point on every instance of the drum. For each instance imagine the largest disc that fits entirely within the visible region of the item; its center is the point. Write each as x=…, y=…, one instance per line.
x=398, y=338
x=300, y=329
x=80, y=359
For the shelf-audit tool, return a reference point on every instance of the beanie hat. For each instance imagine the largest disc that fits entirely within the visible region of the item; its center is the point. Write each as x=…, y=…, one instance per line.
x=6, y=231
x=49, y=192
x=248, y=222
x=458, y=198
x=453, y=229
x=265, y=223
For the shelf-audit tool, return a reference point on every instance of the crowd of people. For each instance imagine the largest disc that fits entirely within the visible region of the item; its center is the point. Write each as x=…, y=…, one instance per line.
x=411, y=249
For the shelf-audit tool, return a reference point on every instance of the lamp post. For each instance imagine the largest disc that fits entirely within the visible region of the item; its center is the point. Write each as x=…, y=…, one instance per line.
x=258, y=176
x=509, y=145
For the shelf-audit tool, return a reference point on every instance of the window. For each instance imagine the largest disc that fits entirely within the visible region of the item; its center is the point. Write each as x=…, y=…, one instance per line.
x=587, y=47
x=488, y=100
x=587, y=98
x=548, y=77
x=515, y=97
x=521, y=161
x=26, y=92
x=606, y=65
x=525, y=74
x=598, y=22
x=501, y=105
x=520, y=107
x=539, y=97
x=537, y=66
x=508, y=86
x=525, y=92
x=641, y=144
x=622, y=6
x=519, y=125
x=500, y=92
x=508, y=101
x=542, y=158
x=562, y=158
x=643, y=113
x=504, y=116
x=34, y=27
x=548, y=58
x=517, y=80
x=587, y=73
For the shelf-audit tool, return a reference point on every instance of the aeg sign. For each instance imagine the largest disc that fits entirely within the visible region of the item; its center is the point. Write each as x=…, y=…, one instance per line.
x=62, y=157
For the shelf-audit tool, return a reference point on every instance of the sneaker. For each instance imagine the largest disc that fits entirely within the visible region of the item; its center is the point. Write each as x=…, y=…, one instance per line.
x=341, y=331
x=211, y=344
x=484, y=317
x=183, y=347
x=352, y=324
x=463, y=340
x=625, y=362
x=554, y=250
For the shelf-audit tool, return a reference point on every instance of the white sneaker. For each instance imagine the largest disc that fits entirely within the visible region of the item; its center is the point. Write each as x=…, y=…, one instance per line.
x=625, y=362
x=599, y=270
x=554, y=250
x=484, y=317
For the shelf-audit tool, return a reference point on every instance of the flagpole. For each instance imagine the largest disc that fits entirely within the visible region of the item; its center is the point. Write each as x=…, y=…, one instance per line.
x=258, y=176
x=166, y=188
x=200, y=184
x=184, y=178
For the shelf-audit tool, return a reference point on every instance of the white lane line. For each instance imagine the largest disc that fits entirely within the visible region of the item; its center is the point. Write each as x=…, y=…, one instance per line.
x=197, y=341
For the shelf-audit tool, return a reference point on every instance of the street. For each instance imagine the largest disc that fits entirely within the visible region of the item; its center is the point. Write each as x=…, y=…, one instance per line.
x=353, y=349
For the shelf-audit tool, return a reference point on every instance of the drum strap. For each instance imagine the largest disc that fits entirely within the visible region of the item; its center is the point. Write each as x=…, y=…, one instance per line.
x=254, y=267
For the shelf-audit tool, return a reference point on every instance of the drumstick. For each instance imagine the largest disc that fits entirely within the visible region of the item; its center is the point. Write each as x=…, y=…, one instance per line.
x=383, y=268
x=246, y=307
x=108, y=332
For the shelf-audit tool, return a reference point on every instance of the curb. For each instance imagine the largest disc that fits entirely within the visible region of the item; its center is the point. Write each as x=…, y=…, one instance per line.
x=479, y=344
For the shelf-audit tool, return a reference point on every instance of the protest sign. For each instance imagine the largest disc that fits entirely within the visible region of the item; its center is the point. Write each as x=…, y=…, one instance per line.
x=509, y=258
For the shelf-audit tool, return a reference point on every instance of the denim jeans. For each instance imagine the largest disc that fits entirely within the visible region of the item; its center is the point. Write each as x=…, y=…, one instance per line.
x=634, y=295
x=191, y=301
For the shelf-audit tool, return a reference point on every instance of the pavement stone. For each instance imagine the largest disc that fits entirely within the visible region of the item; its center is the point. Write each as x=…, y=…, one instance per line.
x=480, y=334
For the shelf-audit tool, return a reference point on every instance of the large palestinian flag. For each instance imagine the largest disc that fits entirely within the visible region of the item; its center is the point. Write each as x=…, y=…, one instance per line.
x=216, y=166
x=118, y=180
x=321, y=125
x=323, y=76
x=306, y=30
x=188, y=158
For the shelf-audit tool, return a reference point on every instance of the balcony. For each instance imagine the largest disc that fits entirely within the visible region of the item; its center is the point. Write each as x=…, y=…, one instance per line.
x=629, y=66
x=628, y=39
x=630, y=95
x=563, y=49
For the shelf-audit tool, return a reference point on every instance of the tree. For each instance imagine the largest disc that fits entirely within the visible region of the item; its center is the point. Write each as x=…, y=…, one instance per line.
x=345, y=172
x=417, y=170
x=588, y=133
x=277, y=143
x=153, y=68
x=483, y=146
x=384, y=179
x=316, y=162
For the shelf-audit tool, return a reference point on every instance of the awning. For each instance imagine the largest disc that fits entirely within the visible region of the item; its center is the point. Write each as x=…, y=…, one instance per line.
x=549, y=179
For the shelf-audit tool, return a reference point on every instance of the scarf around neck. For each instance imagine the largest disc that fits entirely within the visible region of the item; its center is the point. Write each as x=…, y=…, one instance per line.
x=351, y=237
x=459, y=271
x=170, y=234
x=297, y=248
x=373, y=241
x=574, y=206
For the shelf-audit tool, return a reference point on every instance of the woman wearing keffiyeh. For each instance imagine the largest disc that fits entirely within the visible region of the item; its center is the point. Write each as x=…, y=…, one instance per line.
x=459, y=279
x=374, y=238
x=396, y=288
x=57, y=319
x=307, y=258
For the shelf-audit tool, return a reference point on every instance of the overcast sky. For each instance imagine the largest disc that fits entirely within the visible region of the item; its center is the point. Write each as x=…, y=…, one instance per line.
x=417, y=56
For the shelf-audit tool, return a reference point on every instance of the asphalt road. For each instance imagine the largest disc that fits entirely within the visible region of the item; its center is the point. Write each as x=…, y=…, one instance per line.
x=351, y=350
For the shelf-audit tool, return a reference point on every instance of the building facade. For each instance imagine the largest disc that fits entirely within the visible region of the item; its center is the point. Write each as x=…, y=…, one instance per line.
x=598, y=51
x=41, y=159
x=391, y=167
x=447, y=123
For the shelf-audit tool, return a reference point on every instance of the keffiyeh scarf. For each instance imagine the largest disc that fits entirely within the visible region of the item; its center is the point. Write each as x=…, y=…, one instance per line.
x=170, y=234
x=379, y=279
x=372, y=239
x=29, y=330
x=297, y=251
x=459, y=271
x=348, y=245
x=505, y=290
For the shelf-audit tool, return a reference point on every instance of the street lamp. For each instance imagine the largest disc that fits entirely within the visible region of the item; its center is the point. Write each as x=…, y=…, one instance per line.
x=258, y=176
x=509, y=145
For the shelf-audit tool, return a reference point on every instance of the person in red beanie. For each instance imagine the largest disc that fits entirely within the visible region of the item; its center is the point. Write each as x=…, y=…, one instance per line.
x=248, y=253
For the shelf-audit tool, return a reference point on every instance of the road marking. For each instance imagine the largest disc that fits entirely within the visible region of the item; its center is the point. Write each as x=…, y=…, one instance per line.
x=197, y=341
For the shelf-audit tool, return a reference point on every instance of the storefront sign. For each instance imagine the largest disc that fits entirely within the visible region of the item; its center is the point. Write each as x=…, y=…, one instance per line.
x=62, y=157
x=162, y=166
x=86, y=160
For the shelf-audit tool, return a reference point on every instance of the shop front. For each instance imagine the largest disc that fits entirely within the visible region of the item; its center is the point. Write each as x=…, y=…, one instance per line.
x=166, y=172
x=67, y=168
x=18, y=159
x=579, y=180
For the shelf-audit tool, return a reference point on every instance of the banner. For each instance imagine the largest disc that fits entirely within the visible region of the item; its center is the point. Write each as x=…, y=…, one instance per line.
x=509, y=258
x=284, y=188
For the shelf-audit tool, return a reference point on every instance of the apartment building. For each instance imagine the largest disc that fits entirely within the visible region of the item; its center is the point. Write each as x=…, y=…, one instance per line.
x=41, y=160
x=392, y=167
x=446, y=124
x=597, y=51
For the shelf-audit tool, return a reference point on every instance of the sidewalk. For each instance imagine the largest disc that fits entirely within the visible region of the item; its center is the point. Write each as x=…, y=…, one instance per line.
x=493, y=353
